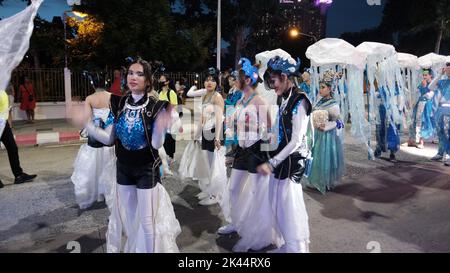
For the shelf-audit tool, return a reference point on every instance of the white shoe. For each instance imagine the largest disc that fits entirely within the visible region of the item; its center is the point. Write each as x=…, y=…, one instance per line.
x=447, y=163
x=209, y=201
x=202, y=195
x=225, y=230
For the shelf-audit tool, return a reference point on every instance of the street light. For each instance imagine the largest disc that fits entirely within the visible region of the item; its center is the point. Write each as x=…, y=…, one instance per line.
x=219, y=33
x=77, y=13
x=80, y=14
x=295, y=32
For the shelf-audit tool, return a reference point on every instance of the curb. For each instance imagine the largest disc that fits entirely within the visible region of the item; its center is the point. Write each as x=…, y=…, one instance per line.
x=46, y=138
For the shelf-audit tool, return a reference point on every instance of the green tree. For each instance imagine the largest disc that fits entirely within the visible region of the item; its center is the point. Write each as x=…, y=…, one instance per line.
x=145, y=28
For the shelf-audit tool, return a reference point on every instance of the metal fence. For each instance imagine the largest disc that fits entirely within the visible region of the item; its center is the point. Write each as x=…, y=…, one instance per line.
x=49, y=83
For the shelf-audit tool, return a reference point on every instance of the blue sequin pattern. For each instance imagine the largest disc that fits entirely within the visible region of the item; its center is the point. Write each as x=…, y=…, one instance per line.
x=280, y=125
x=109, y=121
x=444, y=86
x=130, y=130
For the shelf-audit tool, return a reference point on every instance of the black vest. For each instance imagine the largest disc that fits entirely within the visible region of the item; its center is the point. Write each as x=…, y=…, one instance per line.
x=149, y=115
x=293, y=166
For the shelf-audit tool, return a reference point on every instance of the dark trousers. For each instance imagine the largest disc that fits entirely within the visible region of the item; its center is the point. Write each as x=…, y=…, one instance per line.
x=11, y=147
x=169, y=145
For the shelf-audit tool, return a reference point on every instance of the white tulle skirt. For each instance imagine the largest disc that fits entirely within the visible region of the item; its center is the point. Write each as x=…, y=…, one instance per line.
x=286, y=198
x=167, y=227
x=252, y=215
x=94, y=175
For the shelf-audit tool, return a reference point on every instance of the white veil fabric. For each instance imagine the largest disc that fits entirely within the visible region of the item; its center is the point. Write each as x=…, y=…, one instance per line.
x=342, y=57
x=15, y=32
x=409, y=66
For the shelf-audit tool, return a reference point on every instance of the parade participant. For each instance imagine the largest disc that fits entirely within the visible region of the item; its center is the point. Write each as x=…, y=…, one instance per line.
x=441, y=85
x=95, y=165
x=387, y=131
x=305, y=86
x=233, y=96
x=286, y=165
x=138, y=129
x=210, y=129
x=327, y=153
x=251, y=213
x=422, y=126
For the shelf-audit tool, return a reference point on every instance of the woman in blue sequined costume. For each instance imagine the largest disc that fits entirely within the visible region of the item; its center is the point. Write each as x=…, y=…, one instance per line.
x=137, y=124
x=441, y=86
x=287, y=161
x=328, y=154
x=422, y=126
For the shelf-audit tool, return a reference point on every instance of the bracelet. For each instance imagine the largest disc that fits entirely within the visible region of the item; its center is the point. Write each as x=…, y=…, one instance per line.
x=273, y=163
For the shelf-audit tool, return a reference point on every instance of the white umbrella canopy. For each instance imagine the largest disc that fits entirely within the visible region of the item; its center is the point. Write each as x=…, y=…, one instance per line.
x=333, y=51
x=376, y=52
x=432, y=60
x=383, y=69
x=406, y=60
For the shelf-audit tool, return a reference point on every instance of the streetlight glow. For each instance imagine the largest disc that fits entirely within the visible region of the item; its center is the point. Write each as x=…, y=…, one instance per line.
x=80, y=14
x=294, y=32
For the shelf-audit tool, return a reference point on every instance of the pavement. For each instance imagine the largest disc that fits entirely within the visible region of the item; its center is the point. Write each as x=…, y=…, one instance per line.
x=378, y=207
x=54, y=131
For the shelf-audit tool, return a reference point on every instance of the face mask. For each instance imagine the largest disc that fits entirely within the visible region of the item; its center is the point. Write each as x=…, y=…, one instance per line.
x=159, y=86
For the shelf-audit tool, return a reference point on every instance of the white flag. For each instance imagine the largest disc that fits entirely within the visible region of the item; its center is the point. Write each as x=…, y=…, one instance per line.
x=15, y=33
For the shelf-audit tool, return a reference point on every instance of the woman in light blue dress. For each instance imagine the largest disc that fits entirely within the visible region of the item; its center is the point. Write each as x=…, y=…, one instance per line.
x=328, y=155
x=422, y=126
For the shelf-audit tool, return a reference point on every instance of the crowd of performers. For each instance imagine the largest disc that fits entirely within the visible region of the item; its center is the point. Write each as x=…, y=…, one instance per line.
x=271, y=156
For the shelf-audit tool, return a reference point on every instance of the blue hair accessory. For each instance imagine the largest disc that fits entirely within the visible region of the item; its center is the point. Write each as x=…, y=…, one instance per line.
x=249, y=70
x=129, y=59
x=284, y=66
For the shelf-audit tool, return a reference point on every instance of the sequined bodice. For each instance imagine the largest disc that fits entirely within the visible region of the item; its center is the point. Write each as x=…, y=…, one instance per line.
x=130, y=129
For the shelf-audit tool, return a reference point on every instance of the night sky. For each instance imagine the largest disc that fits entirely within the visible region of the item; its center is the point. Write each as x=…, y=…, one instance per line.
x=352, y=16
x=343, y=15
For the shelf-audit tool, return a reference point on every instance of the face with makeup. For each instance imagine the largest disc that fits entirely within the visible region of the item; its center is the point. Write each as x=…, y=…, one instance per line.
x=279, y=82
x=426, y=76
x=210, y=84
x=136, y=80
x=325, y=90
